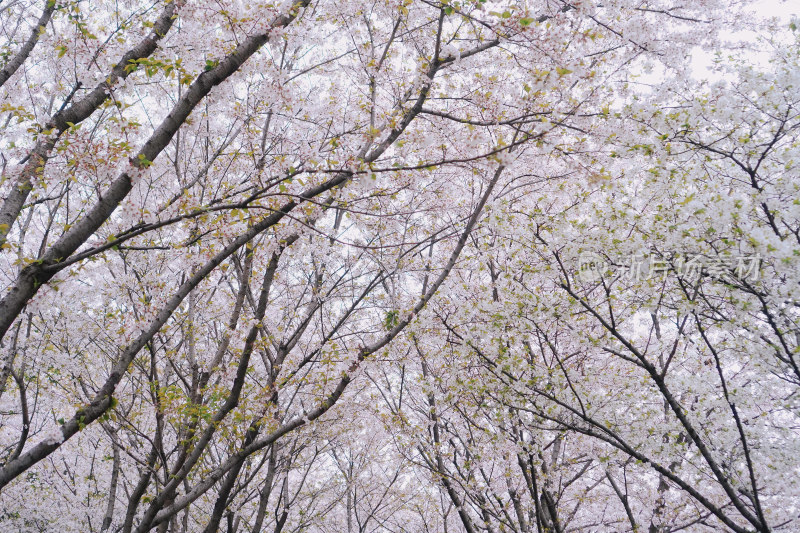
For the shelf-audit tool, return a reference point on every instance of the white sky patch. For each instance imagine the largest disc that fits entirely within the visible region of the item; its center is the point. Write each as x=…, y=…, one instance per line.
x=782, y=11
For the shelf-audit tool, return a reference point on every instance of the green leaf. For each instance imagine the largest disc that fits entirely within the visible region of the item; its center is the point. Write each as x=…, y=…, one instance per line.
x=391, y=319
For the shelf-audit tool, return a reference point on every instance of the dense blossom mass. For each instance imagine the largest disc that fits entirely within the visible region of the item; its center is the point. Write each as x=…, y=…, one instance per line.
x=493, y=266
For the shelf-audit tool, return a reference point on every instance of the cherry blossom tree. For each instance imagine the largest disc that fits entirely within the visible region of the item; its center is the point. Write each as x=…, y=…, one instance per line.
x=303, y=265
x=646, y=318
